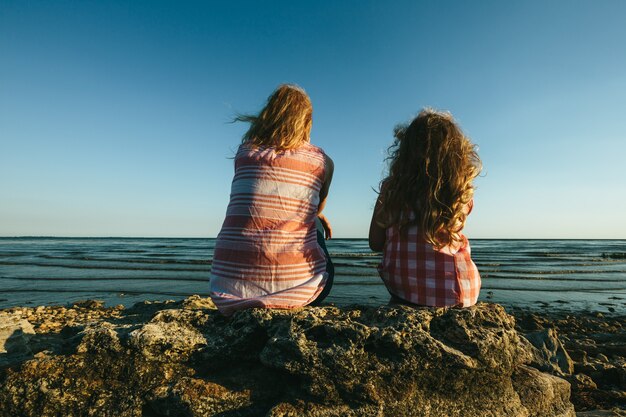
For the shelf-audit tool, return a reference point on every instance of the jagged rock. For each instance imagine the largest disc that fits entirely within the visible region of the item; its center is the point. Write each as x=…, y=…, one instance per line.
x=97, y=338
x=197, y=397
x=582, y=382
x=195, y=302
x=89, y=304
x=597, y=345
x=583, y=390
x=166, y=339
x=318, y=361
x=549, y=354
x=603, y=413
x=15, y=334
x=605, y=374
x=541, y=393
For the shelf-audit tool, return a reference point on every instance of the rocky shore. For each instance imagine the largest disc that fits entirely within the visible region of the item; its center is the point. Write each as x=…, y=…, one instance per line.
x=184, y=359
x=588, y=349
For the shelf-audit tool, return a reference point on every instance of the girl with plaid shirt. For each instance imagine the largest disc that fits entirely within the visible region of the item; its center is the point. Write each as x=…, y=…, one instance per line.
x=421, y=211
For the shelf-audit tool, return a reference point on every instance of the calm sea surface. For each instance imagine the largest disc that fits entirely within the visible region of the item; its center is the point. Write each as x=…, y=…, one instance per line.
x=554, y=274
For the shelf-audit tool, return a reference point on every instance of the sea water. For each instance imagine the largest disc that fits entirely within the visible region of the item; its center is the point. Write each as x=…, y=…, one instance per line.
x=554, y=274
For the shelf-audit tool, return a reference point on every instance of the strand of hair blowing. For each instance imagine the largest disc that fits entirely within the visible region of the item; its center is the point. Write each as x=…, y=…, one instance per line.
x=432, y=166
x=285, y=121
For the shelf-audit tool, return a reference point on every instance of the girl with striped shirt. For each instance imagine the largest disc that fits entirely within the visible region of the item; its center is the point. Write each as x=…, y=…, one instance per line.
x=421, y=211
x=269, y=252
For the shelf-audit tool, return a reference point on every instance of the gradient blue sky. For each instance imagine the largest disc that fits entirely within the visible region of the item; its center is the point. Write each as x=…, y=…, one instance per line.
x=114, y=114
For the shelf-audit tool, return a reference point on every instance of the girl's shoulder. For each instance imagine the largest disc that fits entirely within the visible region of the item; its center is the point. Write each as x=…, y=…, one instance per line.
x=311, y=154
x=312, y=148
x=309, y=151
x=244, y=147
x=306, y=147
x=245, y=151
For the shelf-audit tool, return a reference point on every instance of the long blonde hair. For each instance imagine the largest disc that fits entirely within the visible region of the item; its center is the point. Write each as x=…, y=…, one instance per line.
x=432, y=166
x=285, y=121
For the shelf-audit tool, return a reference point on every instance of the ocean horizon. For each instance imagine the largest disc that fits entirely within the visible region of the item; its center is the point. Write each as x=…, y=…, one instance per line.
x=559, y=274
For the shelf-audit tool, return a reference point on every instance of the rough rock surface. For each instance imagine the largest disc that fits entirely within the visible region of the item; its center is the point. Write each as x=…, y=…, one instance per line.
x=550, y=355
x=596, y=344
x=185, y=359
x=15, y=334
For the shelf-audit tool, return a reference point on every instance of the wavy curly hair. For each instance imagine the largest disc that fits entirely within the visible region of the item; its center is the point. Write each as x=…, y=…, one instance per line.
x=432, y=167
x=285, y=121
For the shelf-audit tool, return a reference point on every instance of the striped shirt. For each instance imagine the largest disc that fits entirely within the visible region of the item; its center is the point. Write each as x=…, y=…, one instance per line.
x=414, y=271
x=266, y=254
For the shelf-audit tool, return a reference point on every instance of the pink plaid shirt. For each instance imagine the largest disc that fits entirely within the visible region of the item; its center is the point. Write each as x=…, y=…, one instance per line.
x=415, y=272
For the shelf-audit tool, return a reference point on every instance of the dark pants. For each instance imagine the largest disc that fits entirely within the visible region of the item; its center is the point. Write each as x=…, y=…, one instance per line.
x=330, y=271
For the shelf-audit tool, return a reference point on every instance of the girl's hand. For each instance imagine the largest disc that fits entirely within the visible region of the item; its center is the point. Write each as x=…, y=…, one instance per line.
x=328, y=231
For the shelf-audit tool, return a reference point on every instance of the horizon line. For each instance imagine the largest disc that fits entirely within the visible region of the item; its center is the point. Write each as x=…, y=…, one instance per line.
x=335, y=238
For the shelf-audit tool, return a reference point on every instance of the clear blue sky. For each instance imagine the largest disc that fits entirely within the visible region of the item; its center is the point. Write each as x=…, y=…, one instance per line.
x=114, y=114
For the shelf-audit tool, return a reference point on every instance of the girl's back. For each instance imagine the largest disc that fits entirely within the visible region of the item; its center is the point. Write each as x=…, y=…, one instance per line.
x=266, y=253
x=415, y=271
x=421, y=211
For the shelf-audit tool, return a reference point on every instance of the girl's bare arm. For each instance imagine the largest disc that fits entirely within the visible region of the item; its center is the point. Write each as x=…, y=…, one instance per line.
x=377, y=232
x=328, y=177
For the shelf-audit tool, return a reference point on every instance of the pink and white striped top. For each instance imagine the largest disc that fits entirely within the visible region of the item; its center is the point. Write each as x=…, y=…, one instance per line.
x=266, y=254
